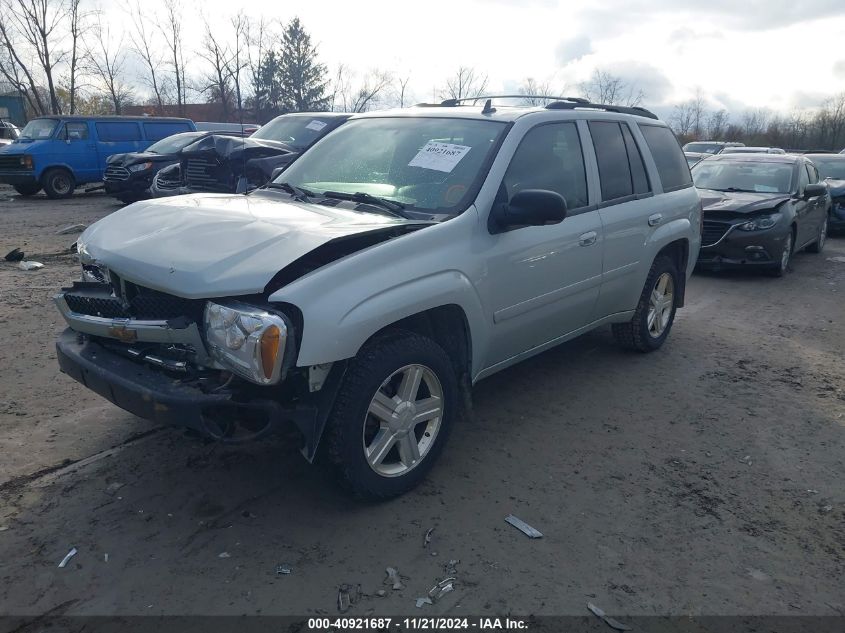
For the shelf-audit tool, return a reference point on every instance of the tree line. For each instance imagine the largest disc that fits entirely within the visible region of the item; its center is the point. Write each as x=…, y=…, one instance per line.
x=63, y=57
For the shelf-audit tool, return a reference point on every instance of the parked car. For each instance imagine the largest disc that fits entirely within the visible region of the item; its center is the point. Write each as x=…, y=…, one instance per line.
x=832, y=170
x=59, y=153
x=8, y=132
x=222, y=164
x=244, y=129
x=709, y=147
x=753, y=150
x=694, y=157
x=404, y=257
x=759, y=210
x=128, y=177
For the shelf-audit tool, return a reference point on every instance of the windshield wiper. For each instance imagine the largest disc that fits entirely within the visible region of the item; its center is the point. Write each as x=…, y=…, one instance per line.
x=393, y=207
x=298, y=193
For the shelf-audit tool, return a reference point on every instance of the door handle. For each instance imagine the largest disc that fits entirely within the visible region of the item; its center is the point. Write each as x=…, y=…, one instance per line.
x=654, y=220
x=588, y=238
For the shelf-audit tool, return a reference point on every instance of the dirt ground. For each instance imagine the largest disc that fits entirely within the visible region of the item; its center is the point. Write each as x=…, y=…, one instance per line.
x=706, y=478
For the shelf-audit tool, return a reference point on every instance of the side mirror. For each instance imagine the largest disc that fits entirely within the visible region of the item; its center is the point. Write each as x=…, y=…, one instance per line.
x=814, y=190
x=531, y=207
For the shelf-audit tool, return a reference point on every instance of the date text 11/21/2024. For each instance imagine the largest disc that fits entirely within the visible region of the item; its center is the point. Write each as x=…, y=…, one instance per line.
x=416, y=624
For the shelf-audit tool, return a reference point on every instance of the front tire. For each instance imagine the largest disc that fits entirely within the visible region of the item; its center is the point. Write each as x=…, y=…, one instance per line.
x=818, y=245
x=58, y=183
x=28, y=190
x=782, y=267
x=392, y=415
x=648, y=328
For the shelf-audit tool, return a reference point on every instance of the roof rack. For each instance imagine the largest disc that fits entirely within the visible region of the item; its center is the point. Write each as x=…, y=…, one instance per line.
x=557, y=103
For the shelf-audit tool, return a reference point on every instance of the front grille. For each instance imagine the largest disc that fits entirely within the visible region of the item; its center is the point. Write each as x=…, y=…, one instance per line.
x=11, y=162
x=164, y=184
x=712, y=232
x=98, y=300
x=106, y=307
x=115, y=172
x=199, y=174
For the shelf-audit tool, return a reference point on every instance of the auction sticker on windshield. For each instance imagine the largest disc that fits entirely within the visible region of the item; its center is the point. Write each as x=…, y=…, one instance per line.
x=316, y=125
x=439, y=156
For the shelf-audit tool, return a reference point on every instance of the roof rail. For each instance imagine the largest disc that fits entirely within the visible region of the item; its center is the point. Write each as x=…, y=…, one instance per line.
x=583, y=103
x=447, y=103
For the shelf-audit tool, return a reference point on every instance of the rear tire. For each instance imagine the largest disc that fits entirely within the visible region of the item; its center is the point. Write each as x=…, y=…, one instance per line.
x=58, y=183
x=648, y=328
x=392, y=415
x=27, y=190
x=818, y=245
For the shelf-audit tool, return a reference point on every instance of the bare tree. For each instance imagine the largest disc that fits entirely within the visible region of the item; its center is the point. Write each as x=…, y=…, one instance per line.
x=465, y=83
x=402, y=89
x=77, y=27
x=107, y=65
x=604, y=87
x=171, y=30
x=362, y=95
x=532, y=88
x=717, y=124
x=682, y=119
x=217, y=85
x=12, y=66
x=238, y=59
x=144, y=47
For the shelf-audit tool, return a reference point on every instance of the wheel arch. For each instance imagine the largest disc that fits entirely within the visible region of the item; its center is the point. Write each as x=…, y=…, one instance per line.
x=678, y=252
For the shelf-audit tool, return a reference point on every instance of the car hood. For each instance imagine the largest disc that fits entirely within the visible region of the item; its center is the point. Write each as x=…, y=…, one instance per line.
x=133, y=158
x=836, y=187
x=217, y=245
x=227, y=147
x=740, y=201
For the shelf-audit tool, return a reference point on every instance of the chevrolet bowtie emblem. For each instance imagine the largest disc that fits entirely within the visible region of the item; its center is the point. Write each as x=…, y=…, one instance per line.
x=119, y=331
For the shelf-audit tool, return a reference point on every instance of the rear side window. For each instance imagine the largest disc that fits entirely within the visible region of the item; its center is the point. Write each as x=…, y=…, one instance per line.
x=612, y=158
x=550, y=157
x=111, y=131
x=671, y=165
x=74, y=131
x=158, y=131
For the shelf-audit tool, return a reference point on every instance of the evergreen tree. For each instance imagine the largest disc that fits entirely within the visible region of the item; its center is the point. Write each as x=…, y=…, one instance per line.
x=302, y=78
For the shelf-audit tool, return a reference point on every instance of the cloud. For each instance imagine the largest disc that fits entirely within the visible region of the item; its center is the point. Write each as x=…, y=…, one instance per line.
x=572, y=49
x=839, y=69
x=652, y=81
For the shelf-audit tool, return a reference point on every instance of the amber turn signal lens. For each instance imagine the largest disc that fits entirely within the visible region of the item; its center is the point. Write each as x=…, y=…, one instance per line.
x=270, y=339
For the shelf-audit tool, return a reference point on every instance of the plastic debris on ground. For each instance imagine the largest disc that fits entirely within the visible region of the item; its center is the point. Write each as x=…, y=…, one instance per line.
x=347, y=595
x=283, y=570
x=381, y=593
x=105, y=558
x=523, y=527
x=15, y=255
x=73, y=228
x=67, y=557
x=393, y=578
x=450, y=568
x=422, y=601
x=30, y=265
x=427, y=539
x=224, y=555
x=614, y=624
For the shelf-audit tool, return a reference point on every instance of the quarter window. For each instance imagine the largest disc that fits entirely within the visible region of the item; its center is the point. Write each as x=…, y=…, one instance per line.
x=635, y=160
x=550, y=157
x=671, y=165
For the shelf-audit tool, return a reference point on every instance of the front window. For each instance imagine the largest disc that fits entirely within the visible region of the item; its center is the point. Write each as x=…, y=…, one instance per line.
x=297, y=131
x=431, y=164
x=833, y=168
x=173, y=144
x=759, y=177
x=39, y=129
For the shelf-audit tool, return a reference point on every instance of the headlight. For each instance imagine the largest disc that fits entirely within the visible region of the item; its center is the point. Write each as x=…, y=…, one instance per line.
x=26, y=161
x=760, y=223
x=140, y=167
x=248, y=340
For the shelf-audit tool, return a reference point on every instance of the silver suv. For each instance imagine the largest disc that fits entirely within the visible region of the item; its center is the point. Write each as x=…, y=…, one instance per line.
x=406, y=256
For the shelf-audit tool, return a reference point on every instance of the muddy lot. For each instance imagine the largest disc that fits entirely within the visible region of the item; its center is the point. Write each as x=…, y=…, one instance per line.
x=704, y=479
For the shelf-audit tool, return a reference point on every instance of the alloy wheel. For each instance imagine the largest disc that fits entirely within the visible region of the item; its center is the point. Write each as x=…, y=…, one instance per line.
x=403, y=420
x=787, y=253
x=660, y=305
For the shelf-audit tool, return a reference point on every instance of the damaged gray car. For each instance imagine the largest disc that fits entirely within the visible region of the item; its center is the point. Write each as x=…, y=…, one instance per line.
x=403, y=258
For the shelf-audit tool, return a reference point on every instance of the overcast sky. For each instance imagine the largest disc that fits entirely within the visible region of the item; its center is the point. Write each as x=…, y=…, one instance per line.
x=742, y=53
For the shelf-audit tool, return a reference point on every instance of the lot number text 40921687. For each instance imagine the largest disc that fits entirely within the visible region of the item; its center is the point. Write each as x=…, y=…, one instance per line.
x=416, y=624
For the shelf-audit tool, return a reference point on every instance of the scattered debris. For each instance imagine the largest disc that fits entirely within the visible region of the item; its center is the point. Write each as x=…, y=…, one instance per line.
x=441, y=589
x=283, y=570
x=15, y=255
x=422, y=601
x=614, y=624
x=3, y=528
x=825, y=509
x=224, y=555
x=381, y=593
x=522, y=526
x=30, y=265
x=105, y=557
x=67, y=557
x=73, y=228
x=347, y=595
x=393, y=578
x=756, y=574
x=841, y=260
x=451, y=567
x=427, y=540
x=114, y=487
x=747, y=460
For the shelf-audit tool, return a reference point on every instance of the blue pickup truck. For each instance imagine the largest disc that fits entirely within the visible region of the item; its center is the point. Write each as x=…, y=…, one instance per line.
x=59, y=153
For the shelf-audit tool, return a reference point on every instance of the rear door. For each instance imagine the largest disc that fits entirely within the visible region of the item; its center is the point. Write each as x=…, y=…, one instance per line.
x=75, y=148
x=818, y=204
x=804, y=208
x=542, y=282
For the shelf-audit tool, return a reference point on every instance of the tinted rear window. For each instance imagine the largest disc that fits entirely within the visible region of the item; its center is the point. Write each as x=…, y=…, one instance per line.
x=111, y=131
x=671, y=164
x=612, y=158
x=156, y=131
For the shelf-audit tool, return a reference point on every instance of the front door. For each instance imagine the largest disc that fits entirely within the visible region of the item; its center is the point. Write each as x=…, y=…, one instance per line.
x=542, y=281
x=74, y=147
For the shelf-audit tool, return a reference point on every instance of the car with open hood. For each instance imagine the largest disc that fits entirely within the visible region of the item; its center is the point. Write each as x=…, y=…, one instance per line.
x=128, y=176
x=223, y=164
x=404, y=257
x=759, y=209
x=832, y=171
